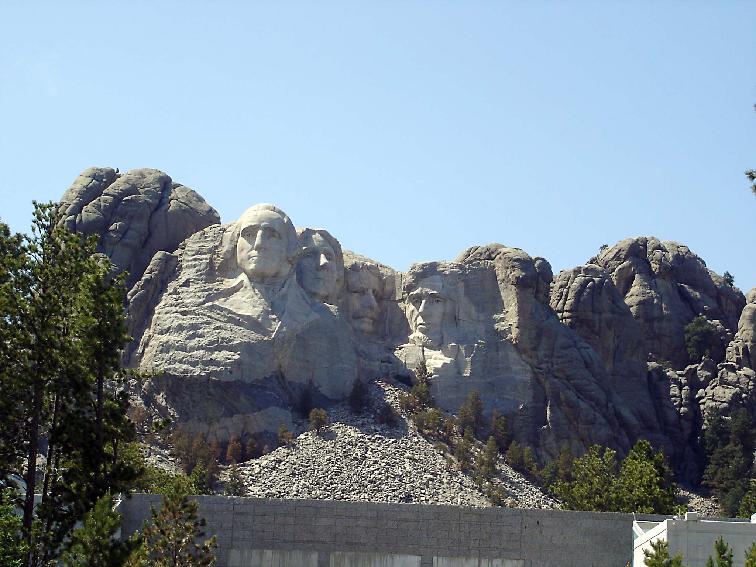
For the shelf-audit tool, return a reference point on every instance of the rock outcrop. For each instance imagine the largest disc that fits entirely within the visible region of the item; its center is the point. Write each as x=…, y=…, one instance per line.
x=135, y=214
x=665, y=285
x=241, y=327
x=742, y=349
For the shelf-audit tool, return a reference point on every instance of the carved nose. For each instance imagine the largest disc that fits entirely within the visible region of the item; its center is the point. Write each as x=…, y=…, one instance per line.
x=422, y=306
x=258, y=240
x=323, y=261
x=369, y=301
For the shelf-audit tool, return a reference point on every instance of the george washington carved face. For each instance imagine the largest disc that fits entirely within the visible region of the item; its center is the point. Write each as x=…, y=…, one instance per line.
x=364, y=287
x=266, y=245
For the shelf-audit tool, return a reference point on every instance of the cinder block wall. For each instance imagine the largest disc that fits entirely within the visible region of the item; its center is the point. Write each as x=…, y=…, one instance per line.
x=531, y=538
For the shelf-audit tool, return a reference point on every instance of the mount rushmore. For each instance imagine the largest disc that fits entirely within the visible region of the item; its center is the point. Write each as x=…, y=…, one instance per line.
x=233, y=324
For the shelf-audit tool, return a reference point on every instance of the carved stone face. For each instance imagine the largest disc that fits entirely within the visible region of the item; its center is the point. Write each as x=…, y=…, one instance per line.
x=364, y=289
x=263, y=245
x=426, y=306
x=319, y=270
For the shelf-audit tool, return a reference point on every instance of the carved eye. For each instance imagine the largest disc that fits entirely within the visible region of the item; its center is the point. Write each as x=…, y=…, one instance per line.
x=437, y=300
x=271, y=232
x=249, y=233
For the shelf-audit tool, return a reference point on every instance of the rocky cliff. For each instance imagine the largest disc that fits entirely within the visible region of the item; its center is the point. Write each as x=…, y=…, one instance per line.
x=239, y=324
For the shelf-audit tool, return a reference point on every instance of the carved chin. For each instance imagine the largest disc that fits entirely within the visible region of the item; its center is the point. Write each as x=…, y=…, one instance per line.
x=363, y=324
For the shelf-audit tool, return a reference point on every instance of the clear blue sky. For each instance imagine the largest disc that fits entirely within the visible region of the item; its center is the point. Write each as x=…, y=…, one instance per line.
x=410, y=130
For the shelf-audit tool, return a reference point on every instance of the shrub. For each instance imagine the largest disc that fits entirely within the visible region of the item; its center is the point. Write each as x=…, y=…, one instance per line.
x=285, y=437
x=723, y=554
x=729, y=279
x=750, y=556
x=234, y=451
x=701, y=337
x=358, y=397
x=386, y=415
x=429, y=422
x=318, y=420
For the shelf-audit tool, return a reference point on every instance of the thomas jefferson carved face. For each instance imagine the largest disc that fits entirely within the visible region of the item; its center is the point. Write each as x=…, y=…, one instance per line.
x=264, y=248
x=364, y=287
x=321, y=267
x=426, y=306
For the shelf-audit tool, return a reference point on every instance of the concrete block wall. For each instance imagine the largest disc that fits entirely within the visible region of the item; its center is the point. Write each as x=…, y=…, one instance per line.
x=355, y=534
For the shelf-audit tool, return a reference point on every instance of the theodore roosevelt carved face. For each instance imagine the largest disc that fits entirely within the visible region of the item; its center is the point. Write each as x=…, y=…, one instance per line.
x=267, y=244
x=320, y=270
x=364, y=288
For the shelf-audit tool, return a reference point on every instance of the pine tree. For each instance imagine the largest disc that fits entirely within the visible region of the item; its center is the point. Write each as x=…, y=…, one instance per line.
x=13, y=548
x=750, y=556
x=488, y=460
x=169, y=540
x=471, y=413
x=645, y=483
x=501, y=430
x=514, y=455
x=594, y=484
x=659, y=555
x=61, y=331
x=723, y=554
x=235, y=483
x=95, y=542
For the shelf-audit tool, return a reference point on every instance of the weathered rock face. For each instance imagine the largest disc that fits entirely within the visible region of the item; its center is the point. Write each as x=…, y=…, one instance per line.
x=666, y=286
x=238, y=325
x=135, y=214
x=742, y=350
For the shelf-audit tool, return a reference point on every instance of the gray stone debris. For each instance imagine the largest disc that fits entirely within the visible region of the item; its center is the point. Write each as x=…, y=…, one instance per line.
x=361, y=459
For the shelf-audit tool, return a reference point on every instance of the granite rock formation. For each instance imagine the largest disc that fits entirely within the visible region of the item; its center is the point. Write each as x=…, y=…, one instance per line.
x=665, y=285
x=241, y=327
x=135, y=214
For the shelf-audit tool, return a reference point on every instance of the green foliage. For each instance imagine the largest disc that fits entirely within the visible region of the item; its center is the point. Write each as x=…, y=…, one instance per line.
x=729, y=446
x=61, y=333
x=95, y=544
x=729, y=279
x=642, y=483
x=501, y=430
x=235, y=484
x=156, y=480
x=318, y=420
x=471, y=413
x=722, y=554
x=701, y=337
x=659, y=556
x=514, y=455
x=750, y=556
x=463, y=450
x=169, y=540
x=13, y=548
x=488, y=460
x=529, y=462
x=748, y=503
x=429, y=422
x=645, y=484
x=595, y=475
x=358, y=397
x=751, y=176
